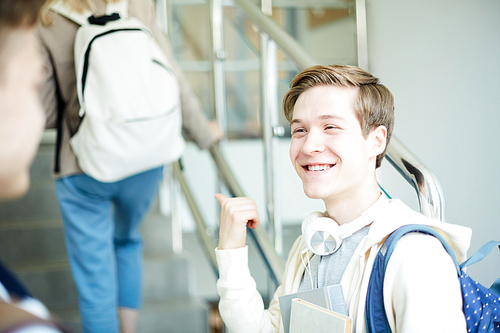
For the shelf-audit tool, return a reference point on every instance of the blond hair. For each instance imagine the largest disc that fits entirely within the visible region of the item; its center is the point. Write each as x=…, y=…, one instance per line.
x=77, y=5
x=15, y=14
x=374, y=105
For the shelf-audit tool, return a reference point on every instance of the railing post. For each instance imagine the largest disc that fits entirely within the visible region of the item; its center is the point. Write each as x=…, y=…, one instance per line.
x=361, y=34
x=270, y=123
x=175, y=210
x=218, y=60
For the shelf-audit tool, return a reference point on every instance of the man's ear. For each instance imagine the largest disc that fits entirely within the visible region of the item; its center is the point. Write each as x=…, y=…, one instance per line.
x=378, y=138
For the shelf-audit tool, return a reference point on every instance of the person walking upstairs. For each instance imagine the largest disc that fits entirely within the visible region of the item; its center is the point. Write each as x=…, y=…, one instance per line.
x=102, y=216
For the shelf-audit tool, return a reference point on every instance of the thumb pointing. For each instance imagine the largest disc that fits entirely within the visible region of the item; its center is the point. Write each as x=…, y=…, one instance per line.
x=220, y=197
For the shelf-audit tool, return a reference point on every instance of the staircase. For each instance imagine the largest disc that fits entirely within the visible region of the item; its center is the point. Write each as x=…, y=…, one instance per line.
x=32, y=245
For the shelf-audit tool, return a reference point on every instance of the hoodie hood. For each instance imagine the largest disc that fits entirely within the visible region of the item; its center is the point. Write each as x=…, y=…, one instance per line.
x=399, y=215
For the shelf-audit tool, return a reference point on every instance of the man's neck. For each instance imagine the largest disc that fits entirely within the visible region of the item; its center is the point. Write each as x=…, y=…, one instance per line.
x=347, y=209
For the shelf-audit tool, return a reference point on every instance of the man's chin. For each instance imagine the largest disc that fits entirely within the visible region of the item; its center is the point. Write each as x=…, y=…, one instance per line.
x=314, y=194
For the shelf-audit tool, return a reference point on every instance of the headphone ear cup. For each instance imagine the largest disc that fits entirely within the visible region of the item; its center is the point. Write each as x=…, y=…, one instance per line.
x=321, y=235
x=306, y=230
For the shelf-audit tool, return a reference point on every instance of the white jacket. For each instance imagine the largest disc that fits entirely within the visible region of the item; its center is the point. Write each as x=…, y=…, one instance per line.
x=421, y=287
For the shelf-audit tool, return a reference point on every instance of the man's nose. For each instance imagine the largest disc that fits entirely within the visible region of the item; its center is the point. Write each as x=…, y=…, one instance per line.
x=314, y=142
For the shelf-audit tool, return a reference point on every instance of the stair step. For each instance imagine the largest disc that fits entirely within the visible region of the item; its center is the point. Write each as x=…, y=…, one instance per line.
x=40, y=203
x=31, y=241
x=176, y=315
x=36, y=240
x=51, y=282
x=165, y=277
x=179, y=315
x=69, y=316
x=42, y=166
x=157, y=232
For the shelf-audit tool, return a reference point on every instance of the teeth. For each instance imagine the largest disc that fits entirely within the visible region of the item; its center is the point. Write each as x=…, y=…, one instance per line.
x=318, y=167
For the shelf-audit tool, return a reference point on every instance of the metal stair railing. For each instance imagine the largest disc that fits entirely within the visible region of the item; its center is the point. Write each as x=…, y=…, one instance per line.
x=201, y=226
x=271, y=258
x=273, y=261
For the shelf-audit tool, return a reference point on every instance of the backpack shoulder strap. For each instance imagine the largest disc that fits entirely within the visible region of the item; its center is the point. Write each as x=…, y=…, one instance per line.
x=480, y=255
x=61, y=106
x=390, y=243
x=120, y=7
x=63, y=9
x=375, y=316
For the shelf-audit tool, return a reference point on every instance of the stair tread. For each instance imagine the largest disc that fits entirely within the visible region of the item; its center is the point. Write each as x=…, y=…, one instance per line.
x=40, y=266
x=11, y=224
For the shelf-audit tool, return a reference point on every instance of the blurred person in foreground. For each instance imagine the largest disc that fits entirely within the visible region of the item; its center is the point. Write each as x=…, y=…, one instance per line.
x=21, y=127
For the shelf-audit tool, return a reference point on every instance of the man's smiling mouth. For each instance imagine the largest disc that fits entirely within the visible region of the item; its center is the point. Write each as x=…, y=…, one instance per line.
x=319, y=167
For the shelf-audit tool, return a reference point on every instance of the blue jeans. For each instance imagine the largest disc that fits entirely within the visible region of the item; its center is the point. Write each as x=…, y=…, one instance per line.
x=101, y=224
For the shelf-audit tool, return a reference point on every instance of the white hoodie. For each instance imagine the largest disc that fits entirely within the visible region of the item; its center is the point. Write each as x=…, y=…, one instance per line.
x=421, y=287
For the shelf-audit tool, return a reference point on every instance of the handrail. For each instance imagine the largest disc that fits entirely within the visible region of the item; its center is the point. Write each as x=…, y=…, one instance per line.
x=271, y=258
x=197, y=217
x=423, y=180
x=292, y=50
x=426, y=184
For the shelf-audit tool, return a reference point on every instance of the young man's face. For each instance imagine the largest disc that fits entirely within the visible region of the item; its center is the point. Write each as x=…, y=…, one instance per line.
x=21, y=114
x=328, y=150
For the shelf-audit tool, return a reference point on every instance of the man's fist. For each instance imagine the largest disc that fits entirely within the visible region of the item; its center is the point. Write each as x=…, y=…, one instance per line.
x=236, y=214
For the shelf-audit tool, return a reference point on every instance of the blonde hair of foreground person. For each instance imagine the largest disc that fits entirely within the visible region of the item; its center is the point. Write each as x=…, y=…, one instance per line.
x=77, y=5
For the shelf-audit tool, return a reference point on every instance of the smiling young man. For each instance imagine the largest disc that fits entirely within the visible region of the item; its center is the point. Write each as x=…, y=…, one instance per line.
x=341, y=121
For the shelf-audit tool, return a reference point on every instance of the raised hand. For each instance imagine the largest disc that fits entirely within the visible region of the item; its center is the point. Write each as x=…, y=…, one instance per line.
x=236, y=214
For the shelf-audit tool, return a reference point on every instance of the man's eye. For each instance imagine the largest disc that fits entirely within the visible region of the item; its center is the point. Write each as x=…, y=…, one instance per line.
x=298, y=131
x=328, y=127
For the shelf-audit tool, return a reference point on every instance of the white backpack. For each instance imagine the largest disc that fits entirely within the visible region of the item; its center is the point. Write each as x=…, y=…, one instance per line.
x=129, y=97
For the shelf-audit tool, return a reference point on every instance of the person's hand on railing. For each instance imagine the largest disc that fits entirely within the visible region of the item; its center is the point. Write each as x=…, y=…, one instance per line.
x=217, y=132
x=236, y=214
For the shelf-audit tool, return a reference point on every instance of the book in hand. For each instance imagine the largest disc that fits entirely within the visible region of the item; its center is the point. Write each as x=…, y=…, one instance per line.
x=330, y=297
x=307, y=317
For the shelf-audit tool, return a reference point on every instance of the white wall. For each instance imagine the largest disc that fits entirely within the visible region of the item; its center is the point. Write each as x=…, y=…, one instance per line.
x=441, y=59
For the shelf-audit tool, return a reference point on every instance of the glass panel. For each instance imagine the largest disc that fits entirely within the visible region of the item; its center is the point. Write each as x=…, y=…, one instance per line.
x=190, y=37
x=326, y=29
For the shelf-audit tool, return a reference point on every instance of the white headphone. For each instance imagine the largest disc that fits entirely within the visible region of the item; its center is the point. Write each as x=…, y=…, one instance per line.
x=323, y=235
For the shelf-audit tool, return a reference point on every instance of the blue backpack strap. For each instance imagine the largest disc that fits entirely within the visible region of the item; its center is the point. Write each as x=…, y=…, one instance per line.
x=375, y=316
x=480, y=255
